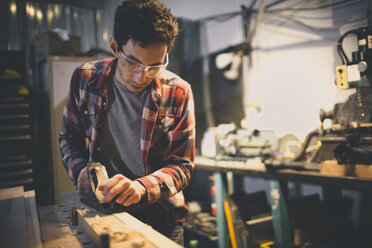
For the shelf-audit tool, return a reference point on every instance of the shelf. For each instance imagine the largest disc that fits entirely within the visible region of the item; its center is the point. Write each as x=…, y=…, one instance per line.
x=12, y=164
x=14, y=105
x=278, y=191
x=310, y=177
x=11, y=117
x=9, y=175
x=13, y=138
x=27, y=182
x=12, y=99
x=16, y=127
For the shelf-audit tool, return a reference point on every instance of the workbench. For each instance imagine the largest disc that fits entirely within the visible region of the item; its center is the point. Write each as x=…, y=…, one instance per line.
x=278, y=180
x=55, y=224
x=23, y=224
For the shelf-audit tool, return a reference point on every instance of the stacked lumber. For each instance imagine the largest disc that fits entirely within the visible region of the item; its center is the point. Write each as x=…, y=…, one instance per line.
x=19, y=223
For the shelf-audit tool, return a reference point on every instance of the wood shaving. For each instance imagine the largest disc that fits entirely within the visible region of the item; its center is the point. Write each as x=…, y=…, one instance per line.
x=86, y=212
x=130, y=236
x=138, y=242
x=118, y=236
x=107, y=227
x=97, y=221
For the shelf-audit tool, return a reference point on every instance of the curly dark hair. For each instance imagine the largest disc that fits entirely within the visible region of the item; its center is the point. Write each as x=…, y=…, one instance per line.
x=146, y=22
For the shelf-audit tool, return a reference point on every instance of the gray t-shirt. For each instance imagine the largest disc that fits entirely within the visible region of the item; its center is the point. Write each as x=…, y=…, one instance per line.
x=121, y=150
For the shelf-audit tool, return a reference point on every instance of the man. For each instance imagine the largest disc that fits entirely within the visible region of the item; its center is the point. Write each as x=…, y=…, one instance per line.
x=137, y=117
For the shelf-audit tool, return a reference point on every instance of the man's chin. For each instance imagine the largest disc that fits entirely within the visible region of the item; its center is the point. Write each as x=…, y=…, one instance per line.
x=134, y=88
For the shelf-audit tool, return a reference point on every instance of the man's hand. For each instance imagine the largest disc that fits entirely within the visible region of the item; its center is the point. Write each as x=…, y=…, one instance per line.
x=83, y=185
x=129, y=192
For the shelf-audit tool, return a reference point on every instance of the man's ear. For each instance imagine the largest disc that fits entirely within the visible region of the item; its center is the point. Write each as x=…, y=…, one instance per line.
x=113, y=46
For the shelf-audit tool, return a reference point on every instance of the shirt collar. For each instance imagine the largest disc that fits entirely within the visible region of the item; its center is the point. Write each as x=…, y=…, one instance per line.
x=104, y=70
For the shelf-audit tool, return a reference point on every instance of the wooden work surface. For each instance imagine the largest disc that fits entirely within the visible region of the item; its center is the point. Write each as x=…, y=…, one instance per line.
x=19, y=224
x=13, y=231
x=24, y=225
x=57, y=231
x=310, y=177
x=125, y=231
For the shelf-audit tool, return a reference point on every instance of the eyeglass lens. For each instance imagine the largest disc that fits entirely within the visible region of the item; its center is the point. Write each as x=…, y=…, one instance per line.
x=135, y=67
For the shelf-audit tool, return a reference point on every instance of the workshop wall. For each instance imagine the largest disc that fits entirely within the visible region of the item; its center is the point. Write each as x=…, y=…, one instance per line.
x=292, y=71
x=292, y=64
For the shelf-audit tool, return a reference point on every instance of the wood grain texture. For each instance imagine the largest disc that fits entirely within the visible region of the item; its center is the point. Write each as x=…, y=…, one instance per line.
x=158, y=239
x=13, y=231
x=117, y=222
x=32, y=220
x=109, y=224
x=55, y=229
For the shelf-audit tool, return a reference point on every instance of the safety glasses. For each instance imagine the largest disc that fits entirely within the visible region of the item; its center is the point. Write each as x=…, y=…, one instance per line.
x=131, y=65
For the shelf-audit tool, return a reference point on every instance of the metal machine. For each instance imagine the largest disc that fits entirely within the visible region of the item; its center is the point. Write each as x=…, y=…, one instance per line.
x=227, y=142
x=349, y=139
x=357, y=74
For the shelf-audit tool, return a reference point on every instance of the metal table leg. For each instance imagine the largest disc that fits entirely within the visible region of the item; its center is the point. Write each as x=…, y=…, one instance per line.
x=221, y=189
x=280, y=213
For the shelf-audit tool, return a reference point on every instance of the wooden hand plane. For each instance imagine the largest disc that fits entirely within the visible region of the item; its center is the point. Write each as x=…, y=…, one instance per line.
x=97, y=174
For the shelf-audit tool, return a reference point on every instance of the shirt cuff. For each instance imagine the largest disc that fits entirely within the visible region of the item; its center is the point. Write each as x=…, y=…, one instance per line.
x=152, y=188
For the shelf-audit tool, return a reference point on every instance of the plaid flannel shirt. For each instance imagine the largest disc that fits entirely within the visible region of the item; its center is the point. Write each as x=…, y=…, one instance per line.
x=167, y=133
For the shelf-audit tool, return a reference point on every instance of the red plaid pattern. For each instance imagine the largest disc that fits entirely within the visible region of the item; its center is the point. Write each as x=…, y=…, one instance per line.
x=167, y=134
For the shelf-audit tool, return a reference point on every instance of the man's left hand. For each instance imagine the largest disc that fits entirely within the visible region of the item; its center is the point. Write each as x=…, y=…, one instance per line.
x=128, y=192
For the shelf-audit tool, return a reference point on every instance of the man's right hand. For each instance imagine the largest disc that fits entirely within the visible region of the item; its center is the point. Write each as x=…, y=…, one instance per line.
x=83, y=185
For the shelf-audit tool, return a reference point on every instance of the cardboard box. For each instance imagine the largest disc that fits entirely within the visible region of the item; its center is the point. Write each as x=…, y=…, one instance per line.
x=50, y=44
x=363, y=171
x=332, y=168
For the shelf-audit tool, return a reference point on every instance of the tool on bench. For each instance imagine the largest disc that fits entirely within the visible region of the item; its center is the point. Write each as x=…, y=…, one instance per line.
x=97, y=174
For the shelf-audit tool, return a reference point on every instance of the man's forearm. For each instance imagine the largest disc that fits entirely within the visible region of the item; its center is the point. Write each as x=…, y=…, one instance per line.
x=74, y=156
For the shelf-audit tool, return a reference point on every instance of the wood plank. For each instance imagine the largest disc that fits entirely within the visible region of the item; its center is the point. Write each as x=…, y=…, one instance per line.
x=85, y=226
x=124, y=230
x=56, y=231
x=156, y=238
x=33, y=227
x=120, y=221
x=13, y=231
x=95, y=227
